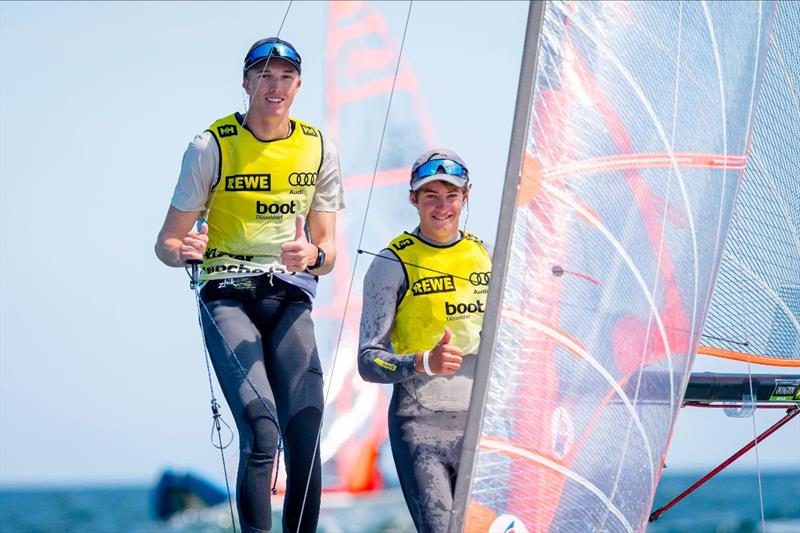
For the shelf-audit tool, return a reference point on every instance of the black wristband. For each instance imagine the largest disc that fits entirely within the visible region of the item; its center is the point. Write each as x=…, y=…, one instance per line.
x=320, y=259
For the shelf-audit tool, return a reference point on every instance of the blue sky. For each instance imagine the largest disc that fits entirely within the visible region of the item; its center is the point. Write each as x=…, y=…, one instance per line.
x=101, y=365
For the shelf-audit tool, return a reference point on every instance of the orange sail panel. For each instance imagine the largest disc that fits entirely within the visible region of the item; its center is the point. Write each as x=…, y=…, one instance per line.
x=361, y=56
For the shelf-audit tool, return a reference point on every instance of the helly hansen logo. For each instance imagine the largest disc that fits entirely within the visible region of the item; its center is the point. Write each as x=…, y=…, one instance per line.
x=403, y=244
x=432, y=285
x=308, y=130
x=302, y=179
x=248, y=182
x=227, y=130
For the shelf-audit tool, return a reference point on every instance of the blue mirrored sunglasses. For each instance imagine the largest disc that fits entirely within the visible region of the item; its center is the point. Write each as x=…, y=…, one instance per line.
x=274, y=50
x=439, y=166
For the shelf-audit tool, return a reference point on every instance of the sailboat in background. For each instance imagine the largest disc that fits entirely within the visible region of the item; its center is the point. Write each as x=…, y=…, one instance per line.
x=632, y=133
x=363, y=78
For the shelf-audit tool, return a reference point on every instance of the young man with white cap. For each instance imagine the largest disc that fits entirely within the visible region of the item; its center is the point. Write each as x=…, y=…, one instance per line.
x=424, y=299
x=269, y=186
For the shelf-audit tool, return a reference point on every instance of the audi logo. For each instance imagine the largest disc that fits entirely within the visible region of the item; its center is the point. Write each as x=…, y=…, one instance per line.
x=302, y=179
x=480, y=278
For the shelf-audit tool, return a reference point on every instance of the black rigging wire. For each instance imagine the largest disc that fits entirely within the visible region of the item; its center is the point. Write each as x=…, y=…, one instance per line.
x=407, y=263
x=360, y=240
x=216, y=416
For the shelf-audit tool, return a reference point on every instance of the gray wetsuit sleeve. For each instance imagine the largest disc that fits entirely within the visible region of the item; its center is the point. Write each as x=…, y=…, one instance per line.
x=384, y=285
x=199, y=170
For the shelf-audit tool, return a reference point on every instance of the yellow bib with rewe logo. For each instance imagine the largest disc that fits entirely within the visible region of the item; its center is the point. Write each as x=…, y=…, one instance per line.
x=260, y=191
x=447, y=286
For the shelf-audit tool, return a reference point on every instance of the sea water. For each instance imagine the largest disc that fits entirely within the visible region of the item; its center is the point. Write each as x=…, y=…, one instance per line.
x=726, y=504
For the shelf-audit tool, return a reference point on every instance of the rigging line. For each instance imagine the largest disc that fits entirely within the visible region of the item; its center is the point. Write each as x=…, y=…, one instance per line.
x=724, y=339
x=196, y=290
x=215, y=408
x=735, y=215
x=214, y=404
x=748, y=315
x=790, y=413
x=355, y=262
x=214, y=187
x=242, y=369
x=755, y=440
x=398, y=260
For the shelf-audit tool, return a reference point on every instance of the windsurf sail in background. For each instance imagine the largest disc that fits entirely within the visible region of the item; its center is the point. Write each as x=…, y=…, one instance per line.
x=633, y=143
x=755, y=311
x=361, y=58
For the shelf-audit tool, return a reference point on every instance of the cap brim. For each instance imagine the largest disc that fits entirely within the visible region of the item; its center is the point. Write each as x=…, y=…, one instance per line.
x=458, y=181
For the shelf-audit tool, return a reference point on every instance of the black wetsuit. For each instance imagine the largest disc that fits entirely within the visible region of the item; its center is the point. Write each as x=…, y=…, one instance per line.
x=267, y=324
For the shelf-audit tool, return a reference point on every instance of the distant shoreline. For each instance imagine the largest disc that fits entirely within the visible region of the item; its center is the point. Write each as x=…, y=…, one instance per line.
x=26, y=486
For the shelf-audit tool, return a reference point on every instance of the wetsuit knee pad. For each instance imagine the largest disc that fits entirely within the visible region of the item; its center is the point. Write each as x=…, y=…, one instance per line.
x=260, y=418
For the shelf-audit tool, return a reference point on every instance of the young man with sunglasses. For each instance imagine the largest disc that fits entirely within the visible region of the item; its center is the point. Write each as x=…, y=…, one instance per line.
x=424, y=299
x=269, y=187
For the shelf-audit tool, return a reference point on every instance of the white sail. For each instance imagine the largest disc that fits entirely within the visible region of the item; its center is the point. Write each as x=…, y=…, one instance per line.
x=755, y=311
x=640, y=118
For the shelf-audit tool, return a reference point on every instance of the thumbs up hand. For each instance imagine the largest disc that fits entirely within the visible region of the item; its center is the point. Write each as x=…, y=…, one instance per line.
x=194, y=245
x=297, y=254
x=444, y=358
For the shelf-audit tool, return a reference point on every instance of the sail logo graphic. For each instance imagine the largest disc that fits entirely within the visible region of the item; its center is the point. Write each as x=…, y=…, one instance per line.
x=786, y=390
x=480, y=278
x=433, y=285
x=507, y=523
x=308, y=130
x=562, y=432
x=248, y=182
x=405, y=243
x=302, y=179
x=227, y=130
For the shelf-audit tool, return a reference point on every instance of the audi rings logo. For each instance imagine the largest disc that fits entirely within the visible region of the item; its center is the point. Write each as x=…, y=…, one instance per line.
x=480, y=278
x=302, y=179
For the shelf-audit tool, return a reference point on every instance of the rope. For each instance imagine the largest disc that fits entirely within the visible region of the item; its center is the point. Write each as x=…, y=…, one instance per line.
x=215, y=188
x=201, y=305
x=406, y=263
x=355, y=263
x=216, y=416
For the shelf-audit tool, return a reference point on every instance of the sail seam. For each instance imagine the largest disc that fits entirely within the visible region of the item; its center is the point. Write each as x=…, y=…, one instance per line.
x=564, y=340
x=533, y=456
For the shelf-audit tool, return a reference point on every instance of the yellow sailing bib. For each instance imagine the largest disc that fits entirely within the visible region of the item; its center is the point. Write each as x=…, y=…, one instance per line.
x=261, y=189
x=447, y=286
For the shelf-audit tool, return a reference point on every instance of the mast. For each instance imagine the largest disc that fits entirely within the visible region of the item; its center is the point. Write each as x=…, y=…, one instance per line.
x=500, y=256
